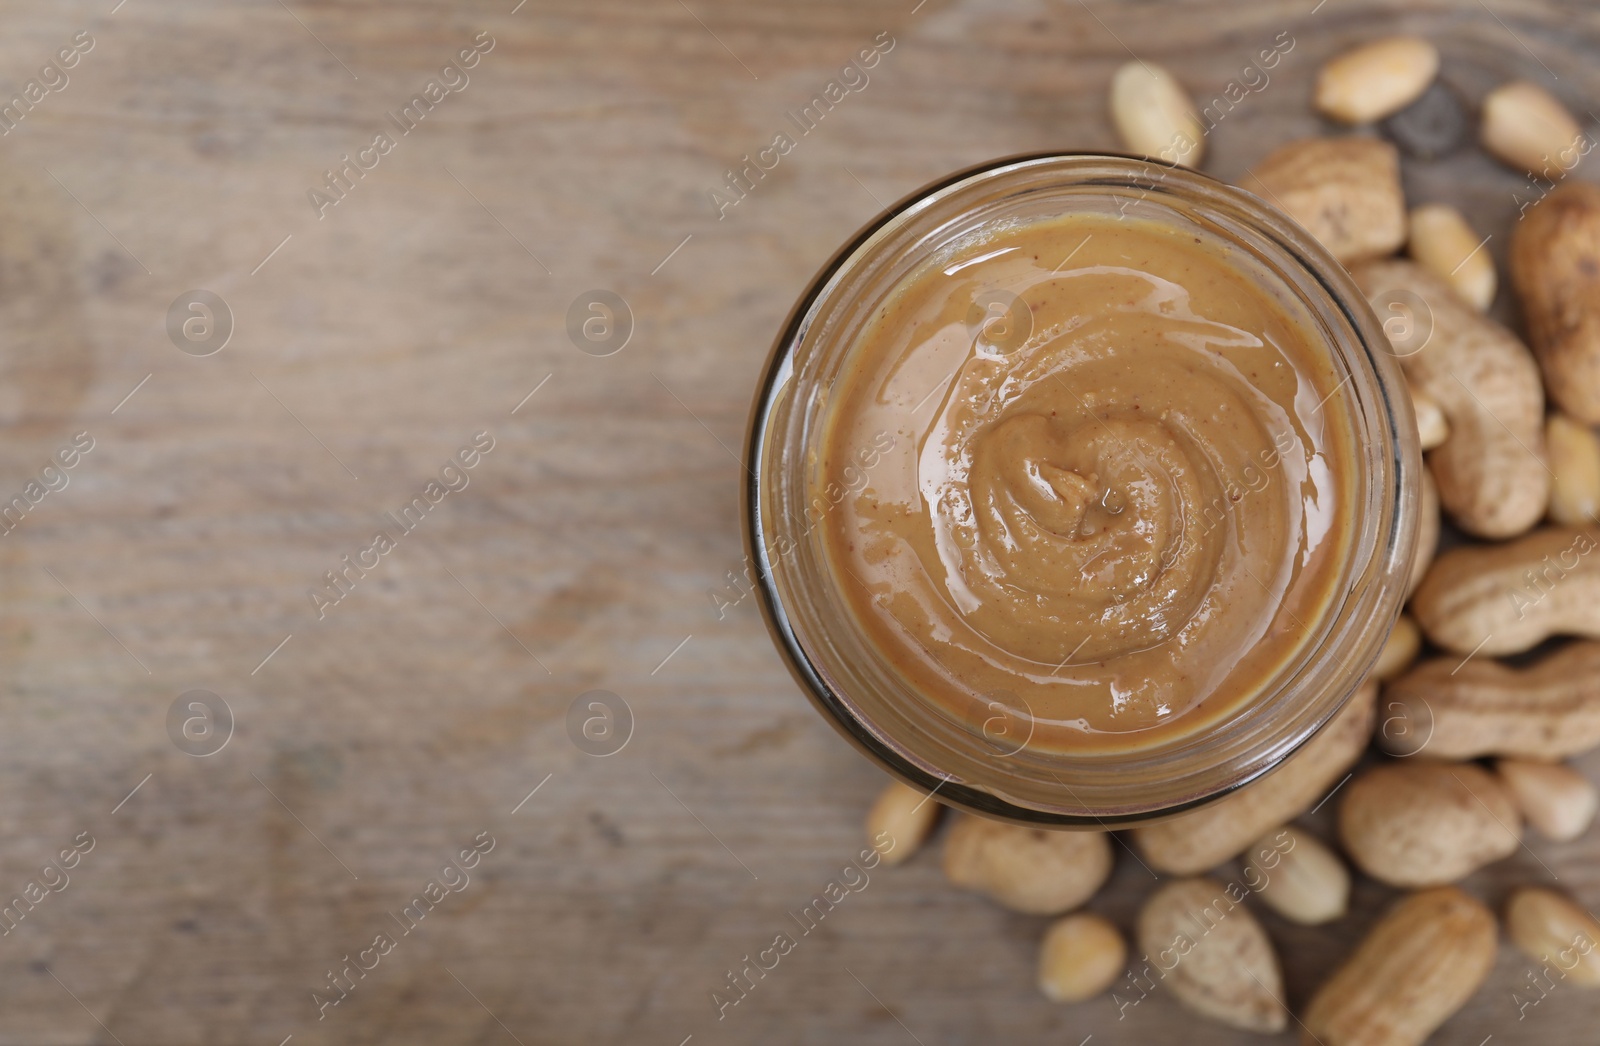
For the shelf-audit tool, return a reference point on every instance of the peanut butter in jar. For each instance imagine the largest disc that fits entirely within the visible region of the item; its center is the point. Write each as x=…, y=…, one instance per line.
x=1083, y=490
x=1120, y=485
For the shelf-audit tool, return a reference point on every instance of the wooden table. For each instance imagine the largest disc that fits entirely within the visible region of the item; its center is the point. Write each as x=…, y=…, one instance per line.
x=376, y=736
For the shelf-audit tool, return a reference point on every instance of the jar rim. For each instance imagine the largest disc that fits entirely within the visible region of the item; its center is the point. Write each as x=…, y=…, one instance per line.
x=1388, y=535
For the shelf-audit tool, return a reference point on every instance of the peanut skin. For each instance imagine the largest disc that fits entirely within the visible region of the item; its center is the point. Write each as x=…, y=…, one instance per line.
x=1550, y=928
x=1504, y=599
x=1026, y=869
x=1200, y=839
x=1428, y=523
x=1405, y=642
x=1443, y=242
x=1081, y=956
x=1417, y=966
x=1300, y=877
x=904, y=815
x=1558, y=801
x=1155, y=116
x=1555, y=270
x=1529, y=129
x=1450, y=710
x=1432, y=426
x=1574, y=452
x=1490, y=472
x=1344, y=191
x=1425, y=823
x=1222, y=964
x=1376, y=79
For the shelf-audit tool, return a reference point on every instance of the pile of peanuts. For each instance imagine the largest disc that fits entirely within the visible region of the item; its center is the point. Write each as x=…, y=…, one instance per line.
x=1470, y=748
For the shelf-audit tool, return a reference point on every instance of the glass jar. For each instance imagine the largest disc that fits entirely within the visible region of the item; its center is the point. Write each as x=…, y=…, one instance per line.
x=983, y=764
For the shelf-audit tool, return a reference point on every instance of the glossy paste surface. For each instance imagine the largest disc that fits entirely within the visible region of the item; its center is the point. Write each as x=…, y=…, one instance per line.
x=1116, y=500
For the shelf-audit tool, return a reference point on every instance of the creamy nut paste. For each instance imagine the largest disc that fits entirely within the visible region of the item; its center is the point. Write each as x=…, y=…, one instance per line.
x=1119, y=492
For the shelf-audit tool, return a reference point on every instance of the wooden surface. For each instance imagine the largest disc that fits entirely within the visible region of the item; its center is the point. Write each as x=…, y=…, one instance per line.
x=378, y=741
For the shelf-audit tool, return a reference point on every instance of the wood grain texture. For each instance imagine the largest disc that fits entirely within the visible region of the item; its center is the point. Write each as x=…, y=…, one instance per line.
x=379, y=740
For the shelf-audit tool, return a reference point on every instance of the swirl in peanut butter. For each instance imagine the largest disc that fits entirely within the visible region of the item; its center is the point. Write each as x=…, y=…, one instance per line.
x=1120, y=506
